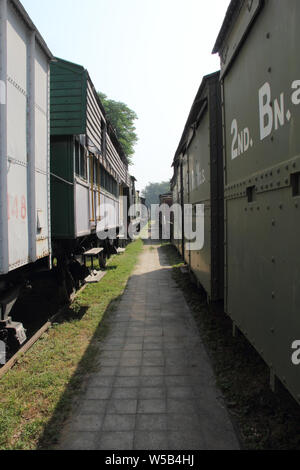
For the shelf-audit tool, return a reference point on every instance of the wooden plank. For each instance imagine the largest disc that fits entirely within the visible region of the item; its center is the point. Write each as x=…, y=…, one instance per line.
x=95, y=278
x=93, y=252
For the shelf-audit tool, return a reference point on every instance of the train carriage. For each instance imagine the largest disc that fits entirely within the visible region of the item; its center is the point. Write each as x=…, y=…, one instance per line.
x=176, y=190
x=198, y=181
x=258, y=46
x=166, y=216
x=88, y=167
x=25, y=231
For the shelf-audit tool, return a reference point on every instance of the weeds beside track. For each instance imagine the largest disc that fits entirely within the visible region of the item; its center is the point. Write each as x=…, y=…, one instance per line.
x=36, y=395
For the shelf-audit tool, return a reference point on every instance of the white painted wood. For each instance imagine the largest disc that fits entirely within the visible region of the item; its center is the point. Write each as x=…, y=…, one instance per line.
x=24, y=140
x=3, y=140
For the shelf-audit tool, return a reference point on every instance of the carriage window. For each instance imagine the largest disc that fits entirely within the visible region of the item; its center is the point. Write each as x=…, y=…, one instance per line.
x=77, y=158
x=83, y=169
x=102, y=176
x=107, y=182
x=95, y=171
x=103, y=142
x=80, y=160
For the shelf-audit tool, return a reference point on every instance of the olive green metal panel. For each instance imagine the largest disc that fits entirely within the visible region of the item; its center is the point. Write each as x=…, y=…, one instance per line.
x=258, y=136
x=205, y=186
x=199, y=157
x=176, y=200
x=62, y=187
x=262, y=121
x=68, y=98
x=200, y=260
x=199, y=173
x=186, y=200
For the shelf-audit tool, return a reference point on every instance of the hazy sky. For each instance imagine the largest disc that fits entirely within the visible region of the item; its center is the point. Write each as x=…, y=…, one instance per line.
x=150, y=54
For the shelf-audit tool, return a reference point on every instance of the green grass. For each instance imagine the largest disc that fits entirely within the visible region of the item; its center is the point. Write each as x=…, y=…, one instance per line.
x=36, y=396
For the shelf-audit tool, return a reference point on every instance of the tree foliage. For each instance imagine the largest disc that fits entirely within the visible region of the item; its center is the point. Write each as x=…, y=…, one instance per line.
x=154, y=190
x=122, y=118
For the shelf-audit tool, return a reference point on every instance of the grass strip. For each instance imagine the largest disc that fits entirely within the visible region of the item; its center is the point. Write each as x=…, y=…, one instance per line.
x=36, y=396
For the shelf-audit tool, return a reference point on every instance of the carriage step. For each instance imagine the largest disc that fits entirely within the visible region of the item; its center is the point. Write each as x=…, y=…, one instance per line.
x=95, y=253
x=95, y=277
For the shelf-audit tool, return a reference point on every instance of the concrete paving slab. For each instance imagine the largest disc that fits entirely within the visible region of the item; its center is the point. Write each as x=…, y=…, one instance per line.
x=155, y=388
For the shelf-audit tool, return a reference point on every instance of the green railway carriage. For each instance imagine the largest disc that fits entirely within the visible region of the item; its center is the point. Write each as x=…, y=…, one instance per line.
x=88, y=166
x=198, y=181
x=260, y=74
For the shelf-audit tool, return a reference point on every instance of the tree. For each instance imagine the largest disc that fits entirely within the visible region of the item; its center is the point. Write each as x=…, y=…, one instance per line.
x=154, y=190
x=122, y=119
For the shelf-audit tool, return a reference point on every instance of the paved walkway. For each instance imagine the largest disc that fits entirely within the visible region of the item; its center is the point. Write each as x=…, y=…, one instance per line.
x=155, y=389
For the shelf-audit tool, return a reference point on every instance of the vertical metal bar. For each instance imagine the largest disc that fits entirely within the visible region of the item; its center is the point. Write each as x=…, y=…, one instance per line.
x=99, y=189
x=4, y=257
x=189, y=198
x=92, y=186
x=72, y=151
x=225, y=200
x=182, y=209
x=121, y=208
x=31, y=189
x=49, y=170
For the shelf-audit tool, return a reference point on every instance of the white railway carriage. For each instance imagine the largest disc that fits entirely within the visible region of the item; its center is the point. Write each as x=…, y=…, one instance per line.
x=24, y=156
